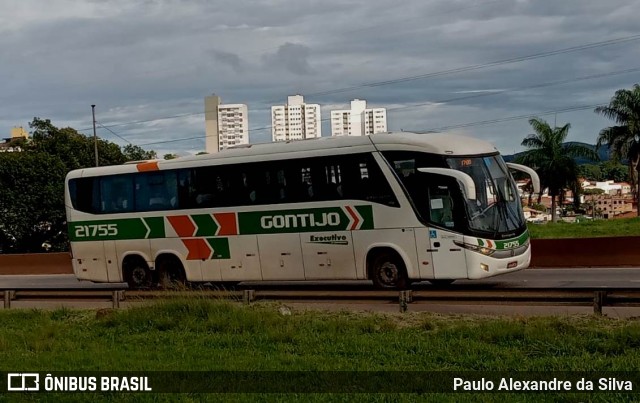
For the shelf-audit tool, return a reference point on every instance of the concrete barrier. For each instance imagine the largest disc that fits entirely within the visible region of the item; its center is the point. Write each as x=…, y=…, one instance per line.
x=573, y=252
x=36, y=263
x=586, y=252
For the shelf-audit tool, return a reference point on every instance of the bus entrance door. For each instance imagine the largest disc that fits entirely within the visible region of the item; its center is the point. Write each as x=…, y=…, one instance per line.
x=425, y=258
x=449, y=261
x=328, y=255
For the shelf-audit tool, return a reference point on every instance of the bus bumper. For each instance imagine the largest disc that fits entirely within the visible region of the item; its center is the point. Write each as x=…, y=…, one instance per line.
x=482, y=266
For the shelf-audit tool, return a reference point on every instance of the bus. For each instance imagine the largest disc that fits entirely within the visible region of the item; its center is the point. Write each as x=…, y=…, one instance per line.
x=393, y=208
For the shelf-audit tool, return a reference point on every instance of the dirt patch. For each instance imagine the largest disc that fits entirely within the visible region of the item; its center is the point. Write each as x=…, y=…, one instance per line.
x=36, y=263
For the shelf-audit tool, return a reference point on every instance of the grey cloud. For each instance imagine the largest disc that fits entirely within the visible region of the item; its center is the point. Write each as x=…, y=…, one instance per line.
x=230, y=59
x=291, y=56
x=123, y=55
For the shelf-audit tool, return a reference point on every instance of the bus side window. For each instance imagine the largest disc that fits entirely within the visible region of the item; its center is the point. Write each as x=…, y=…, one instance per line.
x=117, y=194
x=184, y=189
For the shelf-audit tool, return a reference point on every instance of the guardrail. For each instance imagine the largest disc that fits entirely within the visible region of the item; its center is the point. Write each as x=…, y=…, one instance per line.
x=595, y=297
x=112, y=293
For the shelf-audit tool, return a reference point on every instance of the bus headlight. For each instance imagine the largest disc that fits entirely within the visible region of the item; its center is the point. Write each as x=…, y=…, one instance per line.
x=486, y=251
x=480, y=249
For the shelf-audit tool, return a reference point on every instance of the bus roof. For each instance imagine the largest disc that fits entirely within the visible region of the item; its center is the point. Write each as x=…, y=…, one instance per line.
x=436, y=143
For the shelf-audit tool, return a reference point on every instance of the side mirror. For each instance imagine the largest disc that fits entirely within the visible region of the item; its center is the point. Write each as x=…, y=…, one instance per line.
x=465, y=180
x=535, y=179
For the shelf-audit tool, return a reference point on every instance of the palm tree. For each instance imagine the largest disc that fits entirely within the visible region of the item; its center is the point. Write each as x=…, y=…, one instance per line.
x=624, y=139
x=553, y=159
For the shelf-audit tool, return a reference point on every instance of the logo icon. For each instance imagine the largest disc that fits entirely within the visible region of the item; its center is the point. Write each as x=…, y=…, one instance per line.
x=17, y=382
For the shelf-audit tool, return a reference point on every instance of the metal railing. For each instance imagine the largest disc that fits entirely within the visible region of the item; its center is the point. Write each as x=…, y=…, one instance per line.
x=112, y=293
x=597, y=297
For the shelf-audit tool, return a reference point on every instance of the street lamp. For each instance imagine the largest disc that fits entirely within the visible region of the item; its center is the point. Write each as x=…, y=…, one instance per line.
x=95, y=137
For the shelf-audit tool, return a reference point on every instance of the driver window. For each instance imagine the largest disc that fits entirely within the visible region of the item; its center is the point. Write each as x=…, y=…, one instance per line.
x=441, y=206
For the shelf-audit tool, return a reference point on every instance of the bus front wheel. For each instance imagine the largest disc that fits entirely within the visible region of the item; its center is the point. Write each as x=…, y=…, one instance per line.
x=387, y=270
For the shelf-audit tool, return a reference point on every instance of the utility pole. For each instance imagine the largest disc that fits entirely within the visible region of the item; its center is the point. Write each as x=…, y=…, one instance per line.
x=95, y=137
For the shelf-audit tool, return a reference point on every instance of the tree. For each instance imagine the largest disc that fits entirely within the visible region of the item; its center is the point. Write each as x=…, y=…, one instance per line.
x=136, y=153
x=32, y=184
x=31, y=202
x=553, y=159
x=170, y=156
x=74, y=149
x=591, y=172
x=613, y=170
x=624, y=138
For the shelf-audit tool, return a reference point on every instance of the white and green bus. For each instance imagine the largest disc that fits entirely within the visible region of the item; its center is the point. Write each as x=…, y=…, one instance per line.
x=393, y=208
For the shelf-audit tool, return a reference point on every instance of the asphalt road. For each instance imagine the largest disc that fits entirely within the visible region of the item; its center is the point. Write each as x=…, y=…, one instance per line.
x=529, y=278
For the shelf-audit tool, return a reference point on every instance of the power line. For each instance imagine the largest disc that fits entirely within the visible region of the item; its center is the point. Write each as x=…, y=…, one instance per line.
x=112, y=132
x=450, y=100
x=511, y=118
x=483, y=65
x=417, y=77
x=528, y=87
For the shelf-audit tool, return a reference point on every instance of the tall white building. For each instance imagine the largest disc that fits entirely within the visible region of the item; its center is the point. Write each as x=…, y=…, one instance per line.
x=295, y=120
x=233, y=121
x=358, y=120
x=225, y=125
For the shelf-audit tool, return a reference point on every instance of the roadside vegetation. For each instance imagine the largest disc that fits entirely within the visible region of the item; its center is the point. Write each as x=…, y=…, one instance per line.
x=587, y=228
x=206, y=335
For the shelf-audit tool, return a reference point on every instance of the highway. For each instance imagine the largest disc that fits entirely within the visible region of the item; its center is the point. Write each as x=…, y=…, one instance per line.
x=529, y=278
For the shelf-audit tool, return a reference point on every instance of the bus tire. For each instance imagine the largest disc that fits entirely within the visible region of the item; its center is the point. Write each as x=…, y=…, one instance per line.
x=388, y=271
x=136, y=273
x=170, y=272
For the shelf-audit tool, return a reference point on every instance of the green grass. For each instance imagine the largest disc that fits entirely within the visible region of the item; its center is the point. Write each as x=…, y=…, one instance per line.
x=203, y=335
x=587, y=228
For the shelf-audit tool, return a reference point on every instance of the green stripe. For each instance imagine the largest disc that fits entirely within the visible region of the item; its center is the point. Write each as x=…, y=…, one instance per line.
x=256, y=222
x=206, y=225
x=367, y=214
x=108, y=230
x=220, y=248
x=156, y=226
x=287, y=221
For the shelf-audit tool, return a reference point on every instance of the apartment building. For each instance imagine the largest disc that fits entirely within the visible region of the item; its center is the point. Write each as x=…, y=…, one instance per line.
x=233, y=121
x=295, y=120
x=226, y=125
x=359, y=120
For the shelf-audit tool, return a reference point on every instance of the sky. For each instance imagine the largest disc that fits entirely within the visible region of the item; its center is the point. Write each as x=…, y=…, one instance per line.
x=481, y=68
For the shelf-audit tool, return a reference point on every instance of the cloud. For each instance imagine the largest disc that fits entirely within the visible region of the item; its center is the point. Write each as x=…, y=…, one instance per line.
x=156, y=60
x=290, y=56
x=228, y=58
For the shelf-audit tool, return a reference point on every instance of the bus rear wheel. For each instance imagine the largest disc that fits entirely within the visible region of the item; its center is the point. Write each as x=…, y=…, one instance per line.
x=137, y=274
x=387, y=270
x=170, y=272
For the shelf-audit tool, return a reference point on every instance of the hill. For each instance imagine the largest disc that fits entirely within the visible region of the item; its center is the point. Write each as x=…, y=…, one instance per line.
x=603, y=153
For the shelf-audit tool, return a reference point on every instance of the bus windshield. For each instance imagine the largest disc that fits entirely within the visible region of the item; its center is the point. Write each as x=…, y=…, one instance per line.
x=497, y=209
